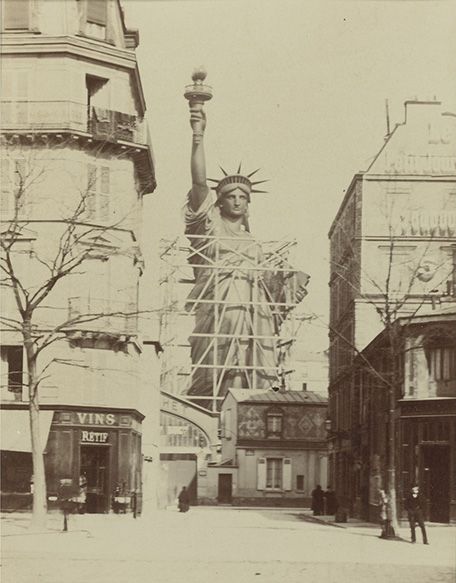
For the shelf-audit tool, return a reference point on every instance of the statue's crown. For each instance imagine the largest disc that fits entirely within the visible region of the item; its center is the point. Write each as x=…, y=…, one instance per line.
x=242, y=180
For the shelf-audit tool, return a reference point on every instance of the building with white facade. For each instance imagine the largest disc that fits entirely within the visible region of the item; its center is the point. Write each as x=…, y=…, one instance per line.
x=393, y=244
x=76, y=164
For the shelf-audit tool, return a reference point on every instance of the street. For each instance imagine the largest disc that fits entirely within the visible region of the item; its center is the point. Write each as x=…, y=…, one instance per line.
x=219, y=544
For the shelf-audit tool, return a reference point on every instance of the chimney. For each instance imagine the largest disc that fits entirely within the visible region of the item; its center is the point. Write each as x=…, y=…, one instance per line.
x=417, y=112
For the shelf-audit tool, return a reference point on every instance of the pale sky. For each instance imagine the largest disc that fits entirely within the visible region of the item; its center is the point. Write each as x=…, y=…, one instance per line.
x=299, y=91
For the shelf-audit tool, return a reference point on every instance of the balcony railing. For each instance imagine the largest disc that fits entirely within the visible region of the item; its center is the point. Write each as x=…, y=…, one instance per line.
x=52, y=116
x=101, y=315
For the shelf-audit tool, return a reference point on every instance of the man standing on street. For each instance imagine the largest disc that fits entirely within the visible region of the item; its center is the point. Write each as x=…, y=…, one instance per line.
x=415, y=506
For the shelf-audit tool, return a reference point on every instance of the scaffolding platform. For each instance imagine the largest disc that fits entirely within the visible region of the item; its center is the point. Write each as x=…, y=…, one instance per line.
x=227, y=315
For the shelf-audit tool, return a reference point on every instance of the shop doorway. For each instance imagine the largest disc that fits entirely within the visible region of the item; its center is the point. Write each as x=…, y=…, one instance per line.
x=225, y=488
x=95, y=466
x=436, y=477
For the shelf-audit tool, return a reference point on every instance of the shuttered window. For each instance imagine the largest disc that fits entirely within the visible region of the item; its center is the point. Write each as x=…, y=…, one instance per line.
x=16, y=14
x=15, y=96
x=97, y=12
x=6, y=200
x=443, y=363
x=13, y=186
x=261, y=473
x=274, y=473
x=98, y=193
x=286, y=483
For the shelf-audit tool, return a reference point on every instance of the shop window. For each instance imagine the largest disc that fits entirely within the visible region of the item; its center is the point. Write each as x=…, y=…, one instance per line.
x=12, y=367
x=16, y=14
x=16, y=472
x=299, y=482
x=274, y=423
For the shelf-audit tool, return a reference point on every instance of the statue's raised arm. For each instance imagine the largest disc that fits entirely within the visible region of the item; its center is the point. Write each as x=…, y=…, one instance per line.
x=199, y=190
x=196, y=95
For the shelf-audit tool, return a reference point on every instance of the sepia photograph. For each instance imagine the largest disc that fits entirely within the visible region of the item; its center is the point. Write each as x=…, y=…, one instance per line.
x=228, y=291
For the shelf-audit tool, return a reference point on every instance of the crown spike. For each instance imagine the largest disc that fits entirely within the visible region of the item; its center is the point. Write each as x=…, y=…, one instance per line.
x=259, y=191
x=239, y=169
x=259, y=182
x=224, y=171
x=254, y=172
x=213, y=180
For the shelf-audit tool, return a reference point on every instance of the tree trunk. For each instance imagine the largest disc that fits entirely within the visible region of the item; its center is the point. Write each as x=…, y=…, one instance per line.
x=39, y=511
x=392, y=457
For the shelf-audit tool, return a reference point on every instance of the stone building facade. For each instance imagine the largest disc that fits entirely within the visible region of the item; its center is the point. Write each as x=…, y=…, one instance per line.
x=76, y=144
x=392, y=254
x=273, y=449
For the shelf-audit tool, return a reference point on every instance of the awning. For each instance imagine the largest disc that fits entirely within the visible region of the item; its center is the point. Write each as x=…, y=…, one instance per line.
x=15, y=429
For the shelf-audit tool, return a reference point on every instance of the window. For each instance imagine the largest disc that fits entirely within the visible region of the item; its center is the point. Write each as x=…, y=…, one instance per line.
x=16, y=14
x=12, y=367
x=13, y=186
x=299, y=482
x=274, y=423
x=97, y=198
x=16, y=471
x=97, y=18
x=442, y=363
x=97, y=12
x=274, y=473
x=15, y=97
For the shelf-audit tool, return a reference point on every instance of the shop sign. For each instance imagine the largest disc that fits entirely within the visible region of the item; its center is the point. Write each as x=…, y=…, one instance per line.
x=94, y=436
x=96, y=418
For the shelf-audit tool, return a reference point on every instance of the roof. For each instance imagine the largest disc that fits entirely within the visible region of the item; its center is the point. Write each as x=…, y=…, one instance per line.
x=270, y=396
x=445, y=309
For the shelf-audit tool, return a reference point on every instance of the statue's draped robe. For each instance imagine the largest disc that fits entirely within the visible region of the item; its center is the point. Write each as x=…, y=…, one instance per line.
x=228, y=315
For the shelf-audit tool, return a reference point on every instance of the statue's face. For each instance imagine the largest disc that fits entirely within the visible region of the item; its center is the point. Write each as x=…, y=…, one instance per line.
x=234, y=204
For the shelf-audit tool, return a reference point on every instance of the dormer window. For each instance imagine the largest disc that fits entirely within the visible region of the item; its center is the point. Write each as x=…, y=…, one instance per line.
x=16, y=15
x=97, y=18
x=274, y=423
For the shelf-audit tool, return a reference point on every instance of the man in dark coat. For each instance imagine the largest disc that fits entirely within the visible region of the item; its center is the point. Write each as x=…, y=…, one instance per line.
x=317, y=500
x=415, y=505
x=184, y=500
x=331, y=501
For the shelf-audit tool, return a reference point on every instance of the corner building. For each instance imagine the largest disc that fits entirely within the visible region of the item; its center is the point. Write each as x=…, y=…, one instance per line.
x=392, y=248
x=72, y=125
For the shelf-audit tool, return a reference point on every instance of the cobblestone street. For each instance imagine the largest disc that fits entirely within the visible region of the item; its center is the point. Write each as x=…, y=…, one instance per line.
x=222, y=544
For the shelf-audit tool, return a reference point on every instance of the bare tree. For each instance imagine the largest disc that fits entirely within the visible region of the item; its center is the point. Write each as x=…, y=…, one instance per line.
x=36, y=257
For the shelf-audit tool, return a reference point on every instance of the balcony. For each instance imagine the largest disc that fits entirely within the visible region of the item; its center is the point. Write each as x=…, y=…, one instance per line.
x=69, y=116
x=103, y=316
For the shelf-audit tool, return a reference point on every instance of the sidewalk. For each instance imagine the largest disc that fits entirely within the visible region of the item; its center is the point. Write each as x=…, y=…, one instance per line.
x=359, y=526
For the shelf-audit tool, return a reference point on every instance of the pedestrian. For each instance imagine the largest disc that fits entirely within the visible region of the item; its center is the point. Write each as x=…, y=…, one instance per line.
x=317, y=500
x=415, y=506
x=184, y=500
x=383, y=504
x=331, y=501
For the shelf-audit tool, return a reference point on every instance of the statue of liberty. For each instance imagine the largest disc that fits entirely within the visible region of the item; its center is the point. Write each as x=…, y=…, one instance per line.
x=234, y=300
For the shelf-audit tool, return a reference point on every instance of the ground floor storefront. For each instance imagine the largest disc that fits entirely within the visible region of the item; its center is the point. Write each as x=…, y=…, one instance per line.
x=94, y=452
x=428, y=455
x=425, y=455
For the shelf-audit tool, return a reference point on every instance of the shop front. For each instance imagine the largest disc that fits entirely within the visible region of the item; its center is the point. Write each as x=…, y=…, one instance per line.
x=100, y=451
x=428, y=455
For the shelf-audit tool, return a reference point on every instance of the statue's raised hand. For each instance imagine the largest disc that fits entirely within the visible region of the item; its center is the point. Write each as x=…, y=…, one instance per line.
x=197, y=118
